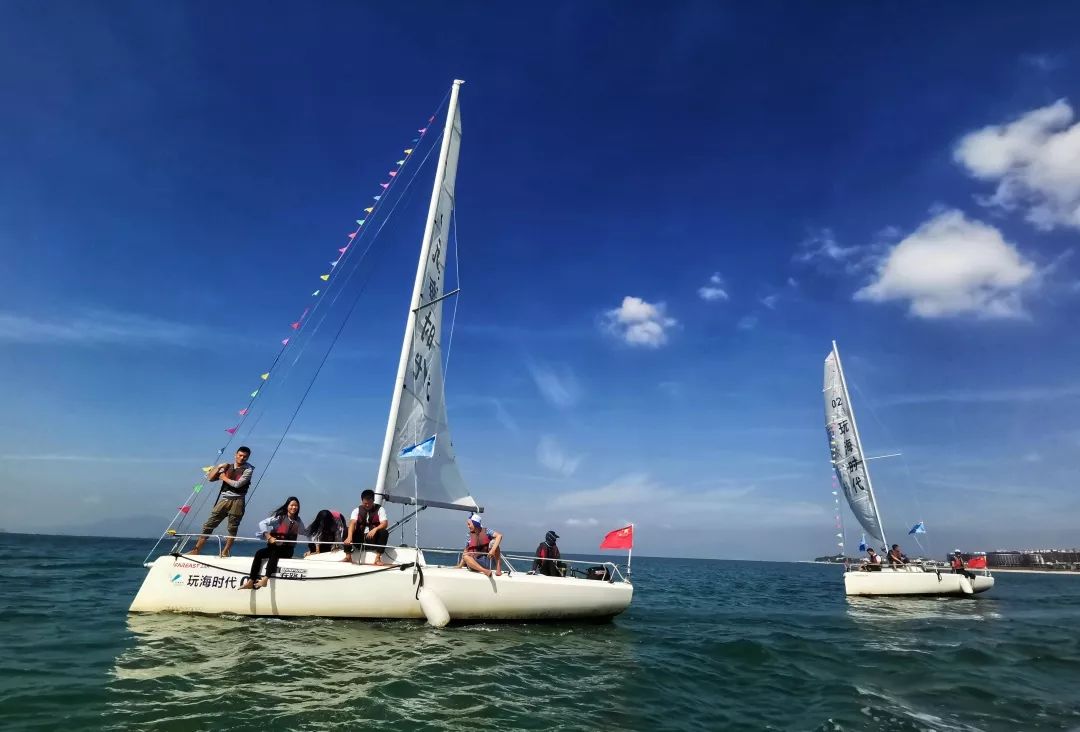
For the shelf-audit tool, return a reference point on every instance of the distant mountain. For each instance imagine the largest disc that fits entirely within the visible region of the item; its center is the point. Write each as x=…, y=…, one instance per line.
x=129, y=527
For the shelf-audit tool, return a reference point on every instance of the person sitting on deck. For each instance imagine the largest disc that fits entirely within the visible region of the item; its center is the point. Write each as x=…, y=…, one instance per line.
x=327, y=531
x=957, y=564
x=482, y=550
x=235, y=481
x=873, y=561
x=281, y=528
x=896, y=557
x=547, y=555
x=368, y=527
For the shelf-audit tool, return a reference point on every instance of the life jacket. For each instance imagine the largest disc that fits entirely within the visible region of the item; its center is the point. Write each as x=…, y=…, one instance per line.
x=957, y=563
x=368, y=520
x=286, y=529
x=876, y=559
x=478, y=543
x=548, y=551
x=234, y=472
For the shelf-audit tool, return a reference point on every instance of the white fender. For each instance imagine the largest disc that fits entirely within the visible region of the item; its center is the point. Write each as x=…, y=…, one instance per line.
x=434, y=610
x=965, y=586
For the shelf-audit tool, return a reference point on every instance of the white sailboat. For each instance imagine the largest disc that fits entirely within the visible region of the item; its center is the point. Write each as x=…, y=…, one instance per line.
x=853, y=474
x=327, y=584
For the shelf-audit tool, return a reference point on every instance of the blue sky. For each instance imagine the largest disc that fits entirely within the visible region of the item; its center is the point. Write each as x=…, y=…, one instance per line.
x=665, y=215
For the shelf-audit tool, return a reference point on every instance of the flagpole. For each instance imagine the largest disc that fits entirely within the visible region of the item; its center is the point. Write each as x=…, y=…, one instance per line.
x=629, y=553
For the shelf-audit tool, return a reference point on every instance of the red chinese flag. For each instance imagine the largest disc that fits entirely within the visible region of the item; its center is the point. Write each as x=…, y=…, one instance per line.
x=619, y=539
x=977, y=562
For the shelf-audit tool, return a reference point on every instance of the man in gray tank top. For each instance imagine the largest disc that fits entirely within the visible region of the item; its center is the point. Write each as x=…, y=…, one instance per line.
x=235, y=481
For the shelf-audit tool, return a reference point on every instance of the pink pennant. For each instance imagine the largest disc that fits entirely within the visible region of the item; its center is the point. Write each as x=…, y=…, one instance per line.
x=242, y=412
x=285, y=342
x=342, y=250
x=430, y=120
x=231, y=430
x=352, y=235
x=385, y=185
x=392, y=173
x=295, y=326
x=184, y=509
x=422, y=130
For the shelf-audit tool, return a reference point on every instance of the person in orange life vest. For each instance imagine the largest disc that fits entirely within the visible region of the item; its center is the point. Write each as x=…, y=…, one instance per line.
x=235, y=481
x=368, y=526
x=482, y=550
x=896, y=557
x=326, y=531
x=281, y=528
x=957, y=563
x=873, y=560
x=547, y=555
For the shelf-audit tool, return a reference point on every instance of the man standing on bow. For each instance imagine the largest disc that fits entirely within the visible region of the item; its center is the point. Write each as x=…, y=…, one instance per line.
x=235, y=481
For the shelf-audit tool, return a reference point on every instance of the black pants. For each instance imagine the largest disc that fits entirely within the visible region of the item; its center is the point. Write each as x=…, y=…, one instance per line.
x=375, y=544
x=970, y=575
x=274, y=552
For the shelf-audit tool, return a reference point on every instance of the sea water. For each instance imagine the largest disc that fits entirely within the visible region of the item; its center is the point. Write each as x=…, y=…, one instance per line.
x=706, y=645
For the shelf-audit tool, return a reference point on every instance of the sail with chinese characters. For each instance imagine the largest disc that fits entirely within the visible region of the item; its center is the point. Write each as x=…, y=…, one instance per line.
x=846, y=450
x=418, y=410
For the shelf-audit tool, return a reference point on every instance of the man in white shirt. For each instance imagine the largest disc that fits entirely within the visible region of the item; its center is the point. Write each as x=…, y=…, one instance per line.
x=368, y=526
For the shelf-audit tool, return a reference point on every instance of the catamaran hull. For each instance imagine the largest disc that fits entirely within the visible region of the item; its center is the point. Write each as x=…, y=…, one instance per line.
x=914, y=582
x=326, y=588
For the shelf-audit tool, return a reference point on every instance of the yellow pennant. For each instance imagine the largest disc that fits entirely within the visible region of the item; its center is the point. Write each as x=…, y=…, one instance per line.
x=265, y=376
x=369, y=210
x=409, y=151
x=324, y=277
x=208, y=468
x=171, y=532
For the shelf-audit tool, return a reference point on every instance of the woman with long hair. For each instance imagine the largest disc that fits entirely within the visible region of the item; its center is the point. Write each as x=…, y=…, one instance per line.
x=281, y=528
x=325, y=531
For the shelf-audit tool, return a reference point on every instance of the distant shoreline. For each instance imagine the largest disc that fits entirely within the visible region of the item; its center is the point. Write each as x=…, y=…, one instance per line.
x=1035, y=571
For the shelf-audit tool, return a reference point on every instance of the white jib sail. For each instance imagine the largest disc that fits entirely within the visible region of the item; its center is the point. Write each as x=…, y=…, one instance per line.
x=418, y=409
x=846, y=450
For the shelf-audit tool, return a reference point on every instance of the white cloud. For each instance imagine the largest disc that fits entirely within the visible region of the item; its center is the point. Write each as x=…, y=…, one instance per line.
x=550, y=454
x=747, y=322
x=639, y=323
x=1021, y=395
x=557, y=384
x=792, y=282
x=950, y=266
x=97, y=327
x=1035, y=161
x=770, y=301
x=631, y=488
x=581, y=522
x=714, y=289
x=821, y=245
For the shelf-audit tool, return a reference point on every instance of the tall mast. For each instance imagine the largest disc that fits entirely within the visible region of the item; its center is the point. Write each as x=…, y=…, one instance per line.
x=858, y=441
x=414, y=304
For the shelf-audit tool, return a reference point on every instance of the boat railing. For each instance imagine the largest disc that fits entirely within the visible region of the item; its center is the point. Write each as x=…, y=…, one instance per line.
x=612, y=571
x=914, y=565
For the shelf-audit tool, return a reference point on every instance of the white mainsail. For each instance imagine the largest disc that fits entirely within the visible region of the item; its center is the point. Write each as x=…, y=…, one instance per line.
x=846, y=450
x=418, y=407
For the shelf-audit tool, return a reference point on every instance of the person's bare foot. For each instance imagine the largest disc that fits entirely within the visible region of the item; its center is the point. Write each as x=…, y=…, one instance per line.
x=247, y=585
x=224, y=555
x=378, y=562
x=263, y=582
x=498, y=572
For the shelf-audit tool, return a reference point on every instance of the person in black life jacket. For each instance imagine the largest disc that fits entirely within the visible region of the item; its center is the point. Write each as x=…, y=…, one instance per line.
x=282, y=529
x=873, y=560
x=547, y=555
x=235, y=481
x=368, y=527
x=482, y=550
x=957, y=564
x=896, y=557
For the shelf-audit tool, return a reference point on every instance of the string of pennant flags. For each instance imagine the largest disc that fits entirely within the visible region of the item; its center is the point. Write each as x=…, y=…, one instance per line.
x=327, y=280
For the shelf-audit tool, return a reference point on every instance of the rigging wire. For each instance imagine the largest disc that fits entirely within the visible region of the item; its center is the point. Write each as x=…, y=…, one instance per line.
x=184, y=516
x=337, y=335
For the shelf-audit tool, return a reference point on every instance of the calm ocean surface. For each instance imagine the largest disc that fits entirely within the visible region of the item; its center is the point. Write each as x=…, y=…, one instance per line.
x=705, y=645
